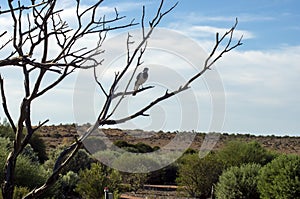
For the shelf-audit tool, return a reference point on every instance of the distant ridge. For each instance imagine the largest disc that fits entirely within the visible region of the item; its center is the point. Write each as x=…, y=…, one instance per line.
x=56, y=135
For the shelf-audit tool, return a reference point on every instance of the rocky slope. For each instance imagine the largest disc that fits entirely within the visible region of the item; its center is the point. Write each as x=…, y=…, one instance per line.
x=64, y=134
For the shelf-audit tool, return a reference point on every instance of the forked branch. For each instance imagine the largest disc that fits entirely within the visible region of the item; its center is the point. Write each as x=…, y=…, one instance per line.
x=213, y=57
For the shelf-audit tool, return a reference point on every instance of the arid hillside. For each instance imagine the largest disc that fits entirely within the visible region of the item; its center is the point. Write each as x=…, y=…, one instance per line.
x=64, y=134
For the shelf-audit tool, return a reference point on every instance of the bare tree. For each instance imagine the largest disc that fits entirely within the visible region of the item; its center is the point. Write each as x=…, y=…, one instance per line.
x=38, y=27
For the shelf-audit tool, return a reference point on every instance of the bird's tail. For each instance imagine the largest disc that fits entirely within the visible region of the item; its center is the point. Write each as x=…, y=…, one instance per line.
x=136, y=87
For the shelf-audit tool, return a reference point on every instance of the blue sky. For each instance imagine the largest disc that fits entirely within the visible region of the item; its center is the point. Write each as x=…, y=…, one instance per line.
x=260, y=78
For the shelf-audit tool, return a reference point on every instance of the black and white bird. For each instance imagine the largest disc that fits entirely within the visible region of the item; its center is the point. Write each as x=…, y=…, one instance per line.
x=140, y=79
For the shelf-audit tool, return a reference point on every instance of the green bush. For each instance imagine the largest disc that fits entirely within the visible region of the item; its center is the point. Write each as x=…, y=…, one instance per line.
x=64, y=187
x=4, y=145
x=143, y=148
x=36, y=142
x=6, y=130
x=29, y=174
x=39, y=147
x=280, y=179
x=29, y=153
x=236, y=153
x=135, y=148
x=135, y=163
x=107, y=157
x=93, y=181
x=239, y=182
x=196, y=176
x=131, y=149
x=135, y=181
x=94, y=143
x=122, y=143
x=164, y=176
x=20, y=192
x=81, y=160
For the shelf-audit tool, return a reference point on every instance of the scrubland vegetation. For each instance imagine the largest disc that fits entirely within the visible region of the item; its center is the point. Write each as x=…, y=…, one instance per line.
x=237, y=170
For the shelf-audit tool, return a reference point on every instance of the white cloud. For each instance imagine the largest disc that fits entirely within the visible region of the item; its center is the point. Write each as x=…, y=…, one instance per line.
x=208, y=32
x=262, y=89
x=205, y=31
x=193, y=18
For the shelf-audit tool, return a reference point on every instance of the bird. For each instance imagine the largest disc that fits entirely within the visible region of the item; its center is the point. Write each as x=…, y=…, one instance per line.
x=140, y=79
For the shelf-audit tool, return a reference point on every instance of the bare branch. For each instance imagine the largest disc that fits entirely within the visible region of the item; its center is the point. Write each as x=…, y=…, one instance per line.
x=2, y=34
x=207, y=65
x=7, y=42
x=141, y=47
x=160, y=15
x=99, y=83
x=40, y=125
x=115, y=95
x=143, y=22
x=142, y=111
x=4, y=105
x=72, y=150
x=139, y=62
x=22, y=8
x=146, y=36
x=228, y=47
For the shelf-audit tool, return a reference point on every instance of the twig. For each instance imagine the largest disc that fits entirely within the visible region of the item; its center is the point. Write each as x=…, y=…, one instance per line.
x=207, y=66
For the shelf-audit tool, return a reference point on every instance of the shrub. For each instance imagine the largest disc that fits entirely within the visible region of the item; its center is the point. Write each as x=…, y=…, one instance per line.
x=239, y=182
x=122, y=143
x=39, y=147
x=64, y=187
x=81, y=160
x=135, y=163
x=93, y=181
x=236, y=153
x=6, y=130
x=143, y=148
x=20, y=192
x=196, y=176
x=29, y=174
x=135, y=180
x=166, y=175
x=36, y=142
x=29, y=153
x=280, y=178
x=135, y=148
x=4, y=145
x=94, y=144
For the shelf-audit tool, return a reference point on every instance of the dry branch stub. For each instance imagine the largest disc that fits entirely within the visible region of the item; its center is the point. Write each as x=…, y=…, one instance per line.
x=172, y=59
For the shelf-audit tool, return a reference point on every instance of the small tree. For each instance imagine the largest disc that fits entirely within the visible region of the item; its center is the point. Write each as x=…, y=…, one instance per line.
x=197, y=176
x=239, y=182
x=93, y=181
x=135, y=181
x=37, y=27
x=280, y=179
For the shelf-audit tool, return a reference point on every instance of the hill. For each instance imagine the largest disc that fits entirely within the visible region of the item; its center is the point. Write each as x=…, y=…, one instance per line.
x=65, y=134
